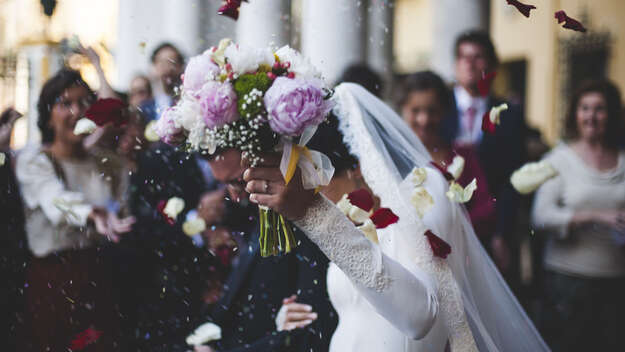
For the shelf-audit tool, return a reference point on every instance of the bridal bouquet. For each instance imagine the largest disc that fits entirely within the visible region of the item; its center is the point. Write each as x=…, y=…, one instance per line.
x=256, y=101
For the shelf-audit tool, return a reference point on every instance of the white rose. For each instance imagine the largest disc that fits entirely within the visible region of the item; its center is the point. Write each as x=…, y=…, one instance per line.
x=194, y=226
x=419, y=176
x=529, y=177
x=421, y=200
x=368, y=228
x=300, y=65
x=84, y=126
x=188, y=113
x=495, y=112
x=461, y=195
x=456, y=167
x=205, y=333
x=246, y=59
x=173, y=207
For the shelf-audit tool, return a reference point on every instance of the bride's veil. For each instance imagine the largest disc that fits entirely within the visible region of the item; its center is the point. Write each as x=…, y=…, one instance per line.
x=388, y=151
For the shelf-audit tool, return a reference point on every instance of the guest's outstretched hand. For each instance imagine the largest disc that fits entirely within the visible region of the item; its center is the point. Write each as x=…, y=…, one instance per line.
x=266, y=186
x=293, y=315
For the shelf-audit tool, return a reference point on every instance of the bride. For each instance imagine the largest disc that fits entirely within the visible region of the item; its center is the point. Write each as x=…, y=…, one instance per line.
x=397, y=296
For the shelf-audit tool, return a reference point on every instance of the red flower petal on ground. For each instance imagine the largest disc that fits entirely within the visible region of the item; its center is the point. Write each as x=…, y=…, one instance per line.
x=85, y=338
x=523, y=8
x=446, y=174
x=569, y=23
x=362, y=199
x=106, y=111
x=487, y=125
x=160, y=207
x=383, y=217
x=440, y=248
x=484, y=84
x=230, y=9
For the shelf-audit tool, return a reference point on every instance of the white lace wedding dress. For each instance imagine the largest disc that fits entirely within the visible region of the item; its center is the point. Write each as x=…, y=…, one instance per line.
x=397, y=296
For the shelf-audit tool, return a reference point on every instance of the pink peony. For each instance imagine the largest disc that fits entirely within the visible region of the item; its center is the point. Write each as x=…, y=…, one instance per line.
x=218, y=103
x=294, y=104
x=166, y=128
x=199, y=70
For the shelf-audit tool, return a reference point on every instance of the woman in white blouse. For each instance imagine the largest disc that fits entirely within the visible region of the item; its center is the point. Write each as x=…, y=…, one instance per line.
x=583, y=212
x=69, y=196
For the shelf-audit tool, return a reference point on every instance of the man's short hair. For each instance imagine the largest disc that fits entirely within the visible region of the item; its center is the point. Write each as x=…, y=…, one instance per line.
x=167, y=45
x=482, y=39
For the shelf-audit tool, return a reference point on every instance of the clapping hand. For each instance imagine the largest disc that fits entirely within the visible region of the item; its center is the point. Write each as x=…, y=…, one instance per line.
x=266, y=186
x=109, y=225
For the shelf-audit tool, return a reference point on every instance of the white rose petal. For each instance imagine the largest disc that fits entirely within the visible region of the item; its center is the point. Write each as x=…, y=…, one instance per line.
x=173, y=207
x=529, y=177
x=421, y=200
x=344, y=205
x=2, y=158
x=419, y=176
x=456, y=167
x=205, y=333
x=461, y=195
x=84, y=126
x=218, y=55
x=495, y=112
x=368, y=228
x=358, y=215
x=193, y=227
x=150, y=132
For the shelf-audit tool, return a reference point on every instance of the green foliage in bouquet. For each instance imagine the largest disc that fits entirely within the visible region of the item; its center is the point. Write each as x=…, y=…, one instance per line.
x=251, y=88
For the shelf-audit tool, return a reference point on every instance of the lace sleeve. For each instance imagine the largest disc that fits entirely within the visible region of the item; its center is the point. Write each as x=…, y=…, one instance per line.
x=385, y=283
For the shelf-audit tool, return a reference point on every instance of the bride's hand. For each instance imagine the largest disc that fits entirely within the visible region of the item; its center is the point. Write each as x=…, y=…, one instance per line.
x=294, y=315
x=266, y=186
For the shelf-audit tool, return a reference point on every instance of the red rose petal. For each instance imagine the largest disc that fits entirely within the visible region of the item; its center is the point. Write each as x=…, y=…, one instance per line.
x=569, y=23
x=484, y=84
x=160, y=207
x=362, y=199
x=106, y=111
x=487, y=125
x=230, y=9
x=440, y=248
x=85, y=338
x=523, y=8
x=383, y=217
x=448, y=176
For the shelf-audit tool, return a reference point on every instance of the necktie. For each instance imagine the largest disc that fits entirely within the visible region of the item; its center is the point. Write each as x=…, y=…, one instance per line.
x=470, y=119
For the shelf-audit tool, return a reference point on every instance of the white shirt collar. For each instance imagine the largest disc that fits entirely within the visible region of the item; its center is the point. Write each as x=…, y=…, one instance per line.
x=464, y=100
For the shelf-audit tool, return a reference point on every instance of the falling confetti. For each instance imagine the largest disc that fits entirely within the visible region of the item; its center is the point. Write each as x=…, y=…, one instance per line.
x=484, y=84
x=85, y=338
x=491, y=118
x=230, y=8
x=106, y=111
x=523, y=8
x=569, y=23
x=440, y=248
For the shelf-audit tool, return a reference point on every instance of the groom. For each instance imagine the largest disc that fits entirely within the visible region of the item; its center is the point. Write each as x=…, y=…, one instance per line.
x=256, y=287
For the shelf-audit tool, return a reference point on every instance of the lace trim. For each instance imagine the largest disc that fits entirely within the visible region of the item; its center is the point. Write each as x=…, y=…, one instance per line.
x=344, y=244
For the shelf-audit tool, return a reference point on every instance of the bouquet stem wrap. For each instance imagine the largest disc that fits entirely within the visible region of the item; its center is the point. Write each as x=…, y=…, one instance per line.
x=276, y=234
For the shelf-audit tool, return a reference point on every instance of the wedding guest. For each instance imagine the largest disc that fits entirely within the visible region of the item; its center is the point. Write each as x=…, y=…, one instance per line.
x=140, y=91
x=582, y=210
x=500, y=153
x=424, y=104
x=167, y=66
x=66, y=194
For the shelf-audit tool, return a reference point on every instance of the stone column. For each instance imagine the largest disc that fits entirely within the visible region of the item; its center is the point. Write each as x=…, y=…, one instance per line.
x=264, y=22
x=380, y=39
x=451, y=18
x=333, y=34
x=216, y=27
x=181, y=24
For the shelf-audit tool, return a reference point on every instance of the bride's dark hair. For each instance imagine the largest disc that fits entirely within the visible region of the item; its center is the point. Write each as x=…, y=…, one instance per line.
x=329, y=140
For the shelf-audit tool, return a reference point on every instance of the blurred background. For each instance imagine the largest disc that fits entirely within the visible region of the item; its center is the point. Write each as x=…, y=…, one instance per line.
x=540, y=61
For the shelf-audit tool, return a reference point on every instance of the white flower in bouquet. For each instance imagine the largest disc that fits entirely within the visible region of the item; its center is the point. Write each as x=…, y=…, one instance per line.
x=299, y=64
x=188, y=112
x=528, y=178
x=245, y=59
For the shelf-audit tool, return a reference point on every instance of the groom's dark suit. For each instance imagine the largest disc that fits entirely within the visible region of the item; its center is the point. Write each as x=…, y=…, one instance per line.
x=253, y=296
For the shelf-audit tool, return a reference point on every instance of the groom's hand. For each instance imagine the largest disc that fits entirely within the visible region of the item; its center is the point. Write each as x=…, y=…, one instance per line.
x=266, y=186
